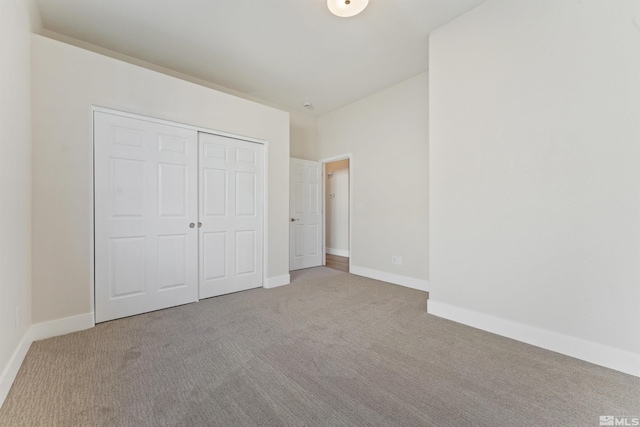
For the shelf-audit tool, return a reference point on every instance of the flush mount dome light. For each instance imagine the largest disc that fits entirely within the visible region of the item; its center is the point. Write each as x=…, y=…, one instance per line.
x=346, y=8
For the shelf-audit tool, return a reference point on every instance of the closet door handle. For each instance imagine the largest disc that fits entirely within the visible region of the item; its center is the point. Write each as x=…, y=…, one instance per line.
x=295, y=219
x=192, y=225
x=199, y=224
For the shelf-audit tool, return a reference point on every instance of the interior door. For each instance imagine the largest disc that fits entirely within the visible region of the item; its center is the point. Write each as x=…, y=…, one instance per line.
x=231, y=213
x=146, y=241
x=305, y=209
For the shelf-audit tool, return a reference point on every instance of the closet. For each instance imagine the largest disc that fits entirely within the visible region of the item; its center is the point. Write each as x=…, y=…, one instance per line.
x=178, y=215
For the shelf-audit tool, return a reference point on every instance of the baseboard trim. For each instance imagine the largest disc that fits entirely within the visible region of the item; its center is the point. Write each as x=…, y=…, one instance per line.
x=396, y=279
x=10, y=371
x=37, y=332
x=599, y=354
x=338, y=252
x=63, y=326
x=274, y=282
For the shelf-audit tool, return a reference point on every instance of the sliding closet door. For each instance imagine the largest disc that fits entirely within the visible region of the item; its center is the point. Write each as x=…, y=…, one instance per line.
x=231, y=213
x=146, y=237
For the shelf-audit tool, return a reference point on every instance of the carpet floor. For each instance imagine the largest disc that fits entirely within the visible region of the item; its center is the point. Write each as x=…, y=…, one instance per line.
x=330, y=349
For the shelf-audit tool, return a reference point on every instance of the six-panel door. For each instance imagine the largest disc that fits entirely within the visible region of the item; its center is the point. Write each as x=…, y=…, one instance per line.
x=305, y=210
x=232, y=197
x=145, y=198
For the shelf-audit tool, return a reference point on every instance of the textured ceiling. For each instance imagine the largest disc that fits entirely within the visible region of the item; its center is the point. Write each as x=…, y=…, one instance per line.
x=283, y=51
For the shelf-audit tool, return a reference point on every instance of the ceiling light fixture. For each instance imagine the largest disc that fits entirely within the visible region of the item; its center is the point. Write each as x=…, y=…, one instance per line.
x=346, y=8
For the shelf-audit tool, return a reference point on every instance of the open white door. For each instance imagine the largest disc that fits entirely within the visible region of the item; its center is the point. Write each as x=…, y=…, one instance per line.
x=146, y=201
x=305, y=214
x=231, y=214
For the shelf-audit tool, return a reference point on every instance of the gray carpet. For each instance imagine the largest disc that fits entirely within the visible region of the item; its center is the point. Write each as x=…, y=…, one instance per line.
x=330, y=349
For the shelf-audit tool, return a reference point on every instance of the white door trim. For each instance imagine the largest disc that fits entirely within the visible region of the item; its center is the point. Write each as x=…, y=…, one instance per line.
x=265, y=213
x=324, y=162
x=176, y=124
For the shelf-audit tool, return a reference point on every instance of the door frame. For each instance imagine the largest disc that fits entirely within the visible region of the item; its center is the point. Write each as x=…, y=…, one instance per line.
x=265, y=212
x=347, y=156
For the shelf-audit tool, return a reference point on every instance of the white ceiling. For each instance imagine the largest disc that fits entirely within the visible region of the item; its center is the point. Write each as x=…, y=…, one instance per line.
x=283, y=51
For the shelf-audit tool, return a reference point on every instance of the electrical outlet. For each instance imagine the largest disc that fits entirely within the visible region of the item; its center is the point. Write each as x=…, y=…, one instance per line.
x=18, y=317
x=394, y=260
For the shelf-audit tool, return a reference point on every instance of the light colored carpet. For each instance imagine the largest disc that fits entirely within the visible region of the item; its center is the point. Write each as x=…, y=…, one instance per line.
x=329, y=349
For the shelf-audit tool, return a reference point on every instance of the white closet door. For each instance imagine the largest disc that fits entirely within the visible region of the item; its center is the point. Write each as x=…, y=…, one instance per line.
x=231, y=206
x=146, y=254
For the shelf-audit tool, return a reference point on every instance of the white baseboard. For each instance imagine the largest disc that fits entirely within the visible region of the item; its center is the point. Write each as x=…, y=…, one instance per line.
x=37, y=332
x=609, y=357
x=13, y=366
x=396, y=279
x=63, y=326
x=338, y=252
x=274, y=282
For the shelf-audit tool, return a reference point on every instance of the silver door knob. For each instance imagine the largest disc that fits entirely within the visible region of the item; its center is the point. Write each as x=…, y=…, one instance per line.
x=295, y=219
x=199, y=224
x=192, y=225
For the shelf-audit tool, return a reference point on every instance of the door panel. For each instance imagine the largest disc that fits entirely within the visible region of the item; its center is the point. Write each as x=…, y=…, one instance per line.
x=245, y=194
x=232, y=194
x=311, y=239
x=128, y=266
x=145, y=198
x=126, y=188
x=305, y=231
x=172, y=190
x=245, y=156
x=215, y=192
x=245, y=252
x=215, y=267
x=173, y=272
x=298, y=232
x=170, y=143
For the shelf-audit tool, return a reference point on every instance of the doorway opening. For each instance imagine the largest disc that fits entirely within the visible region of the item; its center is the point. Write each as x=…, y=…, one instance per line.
x=337, y=212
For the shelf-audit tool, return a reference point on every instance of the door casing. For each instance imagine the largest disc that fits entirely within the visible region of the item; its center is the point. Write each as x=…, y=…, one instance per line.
x=324, y=162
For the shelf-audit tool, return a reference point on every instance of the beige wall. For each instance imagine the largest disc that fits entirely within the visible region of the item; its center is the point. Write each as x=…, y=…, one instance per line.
x=302, y=124
x=17, y=18
x=535, y=175
x=387, y=133
x=304, y=136
x=67, y=81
